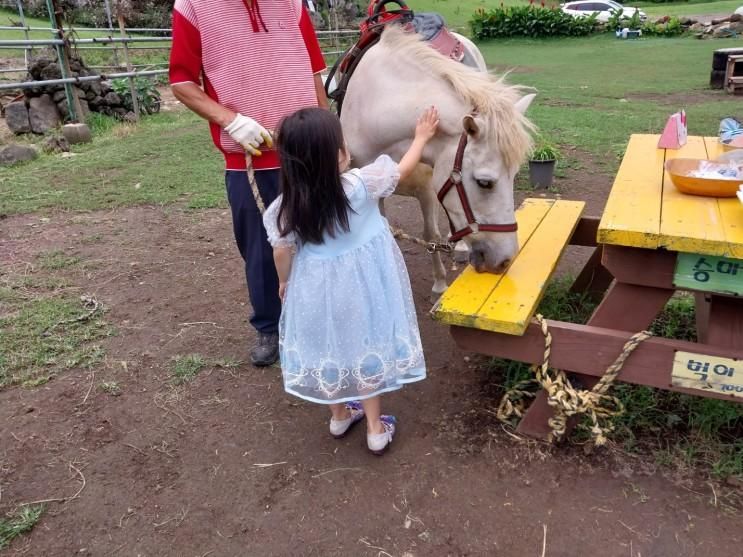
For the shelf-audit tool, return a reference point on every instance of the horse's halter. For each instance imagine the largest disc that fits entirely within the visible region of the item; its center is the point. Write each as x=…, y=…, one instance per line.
x=455, y=181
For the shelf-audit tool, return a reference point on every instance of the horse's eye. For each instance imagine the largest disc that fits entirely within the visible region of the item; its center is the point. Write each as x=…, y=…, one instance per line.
x=485, y=184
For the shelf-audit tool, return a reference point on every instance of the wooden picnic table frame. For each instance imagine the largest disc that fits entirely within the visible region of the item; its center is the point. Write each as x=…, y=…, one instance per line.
x=627, y=307
x=633, y=270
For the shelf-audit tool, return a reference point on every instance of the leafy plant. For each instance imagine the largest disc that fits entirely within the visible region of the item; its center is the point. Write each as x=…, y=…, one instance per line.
x=618, y=20
x=111, y=387
x=533, y=20
x=148, y=97
x=668, y=27
x=544, y=151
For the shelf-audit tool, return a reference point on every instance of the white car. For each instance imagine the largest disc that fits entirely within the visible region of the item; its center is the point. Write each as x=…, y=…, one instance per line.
x=602, y=9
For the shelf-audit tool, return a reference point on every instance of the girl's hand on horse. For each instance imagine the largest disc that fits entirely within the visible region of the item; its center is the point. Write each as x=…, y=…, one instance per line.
x=427, y=124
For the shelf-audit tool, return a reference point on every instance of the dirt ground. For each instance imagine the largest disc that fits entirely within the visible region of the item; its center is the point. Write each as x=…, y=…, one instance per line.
x=228, y=465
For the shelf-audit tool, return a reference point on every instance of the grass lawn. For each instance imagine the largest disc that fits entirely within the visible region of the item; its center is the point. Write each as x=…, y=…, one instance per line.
x=168, y=158
x=594, y=92
x=689, y=8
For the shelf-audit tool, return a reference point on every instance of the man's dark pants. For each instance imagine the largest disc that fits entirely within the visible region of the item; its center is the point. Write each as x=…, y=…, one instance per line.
x=250, y=235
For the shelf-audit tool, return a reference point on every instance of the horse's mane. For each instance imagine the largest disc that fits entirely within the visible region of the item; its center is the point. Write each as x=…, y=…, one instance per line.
x=489, y=95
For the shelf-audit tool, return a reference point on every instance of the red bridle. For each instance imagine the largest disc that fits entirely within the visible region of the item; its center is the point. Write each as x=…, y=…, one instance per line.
x=455, y=181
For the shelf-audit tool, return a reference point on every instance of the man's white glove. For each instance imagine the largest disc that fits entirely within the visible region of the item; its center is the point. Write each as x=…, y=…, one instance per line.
x=249, y=133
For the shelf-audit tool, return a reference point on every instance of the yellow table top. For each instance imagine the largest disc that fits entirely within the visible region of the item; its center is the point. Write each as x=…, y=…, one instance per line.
x=645, y=210
x=505, y=303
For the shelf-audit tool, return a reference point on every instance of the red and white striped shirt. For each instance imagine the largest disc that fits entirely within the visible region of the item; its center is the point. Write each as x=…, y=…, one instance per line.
x=257, y=59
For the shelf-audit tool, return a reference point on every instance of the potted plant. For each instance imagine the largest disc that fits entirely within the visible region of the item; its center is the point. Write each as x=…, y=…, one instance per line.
x=542, y=163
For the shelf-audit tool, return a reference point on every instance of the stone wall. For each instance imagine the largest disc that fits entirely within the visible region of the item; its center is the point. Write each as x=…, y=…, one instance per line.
x=728, y=27
x=45, y=107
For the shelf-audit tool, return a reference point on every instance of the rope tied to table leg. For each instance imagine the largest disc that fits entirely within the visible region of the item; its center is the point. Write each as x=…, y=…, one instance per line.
x=564, y=398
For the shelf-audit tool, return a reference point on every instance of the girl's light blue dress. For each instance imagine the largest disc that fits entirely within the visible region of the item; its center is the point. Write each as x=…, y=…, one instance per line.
x=348, y=328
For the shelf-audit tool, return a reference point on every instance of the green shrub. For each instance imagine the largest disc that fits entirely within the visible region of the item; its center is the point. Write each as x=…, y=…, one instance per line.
x=148, y=96
x=533, y=20
x=671, y=27
x=617, y=20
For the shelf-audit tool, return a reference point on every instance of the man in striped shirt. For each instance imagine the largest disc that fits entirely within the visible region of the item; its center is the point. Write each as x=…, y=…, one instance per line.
x=243, y=65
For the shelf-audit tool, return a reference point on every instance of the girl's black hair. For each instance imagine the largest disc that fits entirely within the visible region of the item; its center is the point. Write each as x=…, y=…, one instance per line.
x=313, y=202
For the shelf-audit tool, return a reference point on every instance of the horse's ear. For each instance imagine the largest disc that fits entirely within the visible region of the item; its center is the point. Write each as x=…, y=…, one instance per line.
x=523, y=103
x=470, y=125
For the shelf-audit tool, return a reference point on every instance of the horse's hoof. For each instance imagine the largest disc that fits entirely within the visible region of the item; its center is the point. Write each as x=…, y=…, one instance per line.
x=436, y=293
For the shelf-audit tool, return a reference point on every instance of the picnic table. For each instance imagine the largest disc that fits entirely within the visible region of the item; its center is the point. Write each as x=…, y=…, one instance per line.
x=651, y=242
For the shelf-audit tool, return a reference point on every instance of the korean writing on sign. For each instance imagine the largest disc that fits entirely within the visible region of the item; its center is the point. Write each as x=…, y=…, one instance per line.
x=703, y=268
x=709, y=273
x=708, y=373
x=702, y=369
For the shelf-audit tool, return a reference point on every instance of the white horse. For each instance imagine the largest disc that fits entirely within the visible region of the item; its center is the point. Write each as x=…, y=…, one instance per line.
x=397, y=79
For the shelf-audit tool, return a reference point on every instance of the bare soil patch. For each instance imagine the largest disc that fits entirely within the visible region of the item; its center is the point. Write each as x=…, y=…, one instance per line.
x=227, y=464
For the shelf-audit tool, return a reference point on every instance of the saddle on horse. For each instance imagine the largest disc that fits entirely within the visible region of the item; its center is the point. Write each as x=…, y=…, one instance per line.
x=430, y=26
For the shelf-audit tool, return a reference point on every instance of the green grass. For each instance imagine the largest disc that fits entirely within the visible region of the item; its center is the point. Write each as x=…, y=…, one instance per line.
x=20, y=522
x=185, y=368
x=35, y=346
x=688, y=8
x=457, y=14
x=676, y=429
x=595, y=92
x=55, y=260
x=168, y=158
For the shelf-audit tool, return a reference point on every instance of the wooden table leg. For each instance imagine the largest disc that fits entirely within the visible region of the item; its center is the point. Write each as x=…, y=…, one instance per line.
x=626, y=307
x=701, y=310
x=725, y=326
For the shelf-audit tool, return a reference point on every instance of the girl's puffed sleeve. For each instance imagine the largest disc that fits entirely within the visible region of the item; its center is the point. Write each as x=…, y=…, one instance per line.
x=271, y=223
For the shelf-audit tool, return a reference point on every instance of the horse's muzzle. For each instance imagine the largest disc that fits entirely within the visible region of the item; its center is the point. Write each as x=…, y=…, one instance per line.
x=486, y=258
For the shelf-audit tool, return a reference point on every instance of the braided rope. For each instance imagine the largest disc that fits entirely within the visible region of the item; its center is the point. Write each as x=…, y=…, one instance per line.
x=564, y=398
x=254, y=187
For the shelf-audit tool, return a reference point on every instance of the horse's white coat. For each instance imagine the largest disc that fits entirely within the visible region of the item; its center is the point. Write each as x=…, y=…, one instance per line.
x=391, y=86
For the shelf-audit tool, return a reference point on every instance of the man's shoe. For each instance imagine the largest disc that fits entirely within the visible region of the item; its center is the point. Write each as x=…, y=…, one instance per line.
x=266, y=352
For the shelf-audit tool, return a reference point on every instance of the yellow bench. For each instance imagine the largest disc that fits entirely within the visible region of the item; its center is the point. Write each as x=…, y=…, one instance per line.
x=506, y=303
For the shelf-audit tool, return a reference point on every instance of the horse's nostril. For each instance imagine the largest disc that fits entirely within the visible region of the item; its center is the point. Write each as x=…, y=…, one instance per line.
x=477, y=258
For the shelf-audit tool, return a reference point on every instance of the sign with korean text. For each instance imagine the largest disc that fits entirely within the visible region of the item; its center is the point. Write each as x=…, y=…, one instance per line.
x=709, y=274
x=708, y=373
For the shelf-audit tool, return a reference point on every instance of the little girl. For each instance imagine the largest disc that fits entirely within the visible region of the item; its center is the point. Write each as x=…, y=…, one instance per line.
x=348, y=330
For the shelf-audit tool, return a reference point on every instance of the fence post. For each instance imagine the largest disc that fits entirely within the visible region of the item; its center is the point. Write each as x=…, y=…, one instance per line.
x=28, y=49
x=132, y=83
x=107, y=6
x=63, y=54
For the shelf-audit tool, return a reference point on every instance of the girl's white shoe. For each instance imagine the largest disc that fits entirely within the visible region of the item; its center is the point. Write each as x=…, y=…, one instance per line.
x=339, y=428
x=378, y=443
